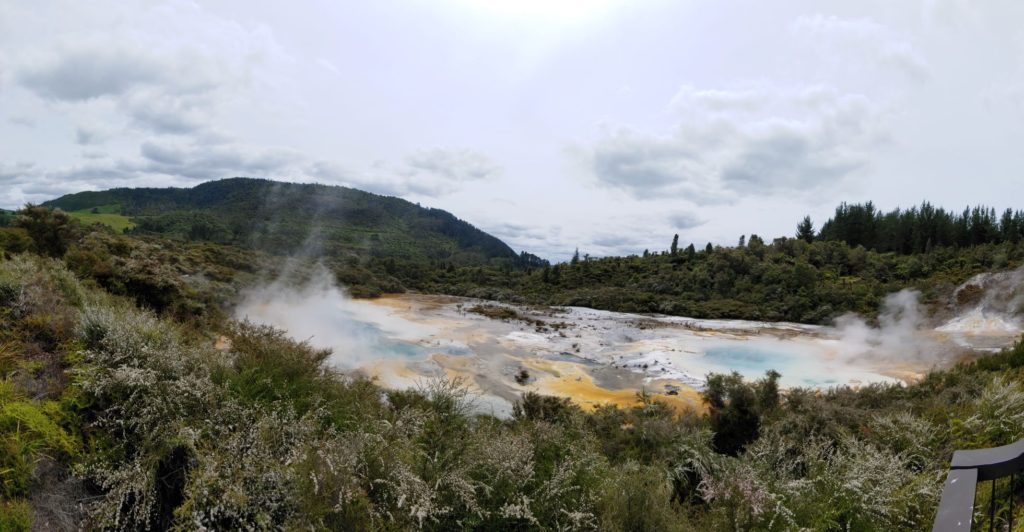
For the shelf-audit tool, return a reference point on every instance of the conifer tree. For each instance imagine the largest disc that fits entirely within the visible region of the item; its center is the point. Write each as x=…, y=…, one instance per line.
x=805, y=230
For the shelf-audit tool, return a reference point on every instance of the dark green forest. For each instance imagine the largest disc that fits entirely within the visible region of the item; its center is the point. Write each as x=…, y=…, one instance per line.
x=920, y=229
x=118, y=410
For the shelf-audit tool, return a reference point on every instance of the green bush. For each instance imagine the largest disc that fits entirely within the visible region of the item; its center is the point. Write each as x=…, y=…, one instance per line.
x=15, y=516
x=28, y=430
x=637, y=498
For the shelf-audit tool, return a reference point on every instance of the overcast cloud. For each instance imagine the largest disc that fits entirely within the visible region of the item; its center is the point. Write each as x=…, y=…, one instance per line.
x=605, y=125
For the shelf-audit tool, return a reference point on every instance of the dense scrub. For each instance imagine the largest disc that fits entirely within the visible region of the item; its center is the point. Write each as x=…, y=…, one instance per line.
x=117, y=411
x=150, y=426
x=789, y=279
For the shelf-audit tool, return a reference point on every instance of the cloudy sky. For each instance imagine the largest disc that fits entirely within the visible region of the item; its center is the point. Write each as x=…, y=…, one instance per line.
x=606, y=125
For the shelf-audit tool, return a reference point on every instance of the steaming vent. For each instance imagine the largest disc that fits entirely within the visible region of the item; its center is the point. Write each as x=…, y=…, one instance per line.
x=989, y=310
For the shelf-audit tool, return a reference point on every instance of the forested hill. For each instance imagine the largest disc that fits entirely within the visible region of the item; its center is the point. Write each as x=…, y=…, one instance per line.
x=288, y=218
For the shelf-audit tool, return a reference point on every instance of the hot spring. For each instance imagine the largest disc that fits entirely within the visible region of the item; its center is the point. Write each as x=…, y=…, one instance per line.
x=595, y=357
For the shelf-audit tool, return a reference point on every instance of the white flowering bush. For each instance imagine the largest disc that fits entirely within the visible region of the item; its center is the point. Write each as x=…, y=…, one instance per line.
x=782, y=484
x=995, y=417
x=172, y=433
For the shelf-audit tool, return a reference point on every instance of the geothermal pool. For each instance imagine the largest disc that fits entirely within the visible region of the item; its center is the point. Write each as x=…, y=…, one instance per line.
x=599, y=357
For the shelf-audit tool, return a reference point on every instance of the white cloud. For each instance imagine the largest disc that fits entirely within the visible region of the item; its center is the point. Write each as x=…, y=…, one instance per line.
x=685, y=220
x=83, y=74
x=165, y=68
x=452, y=165
x=845, y=40
x=22, y=120
x=729, y=143
x=85, y=135
x=215, y=161
x=328, y=65
x=431, y=173
x=167, y=92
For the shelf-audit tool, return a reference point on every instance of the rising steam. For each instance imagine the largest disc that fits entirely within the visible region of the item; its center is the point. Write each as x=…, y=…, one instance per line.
x=987, y=316
x=989, y=308
x=311, y=307
x=901, y=333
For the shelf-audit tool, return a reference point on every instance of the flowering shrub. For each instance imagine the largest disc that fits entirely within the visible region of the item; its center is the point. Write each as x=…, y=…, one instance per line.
x=170, y=432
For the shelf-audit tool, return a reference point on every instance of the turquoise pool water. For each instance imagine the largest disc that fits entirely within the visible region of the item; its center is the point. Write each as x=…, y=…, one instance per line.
x=797, y=367
x=370, y=339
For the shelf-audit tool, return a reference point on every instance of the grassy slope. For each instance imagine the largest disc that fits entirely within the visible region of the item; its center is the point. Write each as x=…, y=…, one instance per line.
x=108, y=215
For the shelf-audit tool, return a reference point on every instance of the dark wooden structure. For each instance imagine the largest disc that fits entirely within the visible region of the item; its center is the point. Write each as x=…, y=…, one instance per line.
x=966, y=473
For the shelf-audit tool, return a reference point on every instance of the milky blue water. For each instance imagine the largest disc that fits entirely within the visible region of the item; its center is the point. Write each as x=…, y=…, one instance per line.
x=371, y=338
x=753, y=361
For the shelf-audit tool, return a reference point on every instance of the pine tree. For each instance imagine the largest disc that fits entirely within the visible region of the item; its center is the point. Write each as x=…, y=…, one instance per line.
x=675, y=244
x=709, y=248
x=743, y=241
x=691, y=251
x=575, y=257
x=805, y=230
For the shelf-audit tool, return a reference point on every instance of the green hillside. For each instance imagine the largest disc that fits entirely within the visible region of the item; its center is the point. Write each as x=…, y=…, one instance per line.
x=288, y=218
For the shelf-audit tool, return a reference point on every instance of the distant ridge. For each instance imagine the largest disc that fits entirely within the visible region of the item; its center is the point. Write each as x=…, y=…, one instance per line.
x=309, y=218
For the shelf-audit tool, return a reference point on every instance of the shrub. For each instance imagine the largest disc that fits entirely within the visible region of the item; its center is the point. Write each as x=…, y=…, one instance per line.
x=996, y=417
x=15, y=516
x=27, y=431
x=637, y=498
x=535, y=407
x=14, y=240
x=51, y=231
x=735, y=408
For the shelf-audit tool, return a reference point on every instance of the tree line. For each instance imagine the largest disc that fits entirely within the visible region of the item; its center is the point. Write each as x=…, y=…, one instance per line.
x=921, y=228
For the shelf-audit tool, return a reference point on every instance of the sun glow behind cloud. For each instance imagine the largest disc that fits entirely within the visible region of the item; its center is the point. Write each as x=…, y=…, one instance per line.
x=554, y=12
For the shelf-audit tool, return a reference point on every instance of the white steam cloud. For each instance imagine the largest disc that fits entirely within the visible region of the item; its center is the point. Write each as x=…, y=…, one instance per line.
x=989, y=308
x=900, y=333
x=321, y=313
